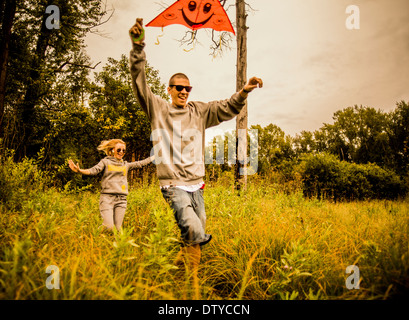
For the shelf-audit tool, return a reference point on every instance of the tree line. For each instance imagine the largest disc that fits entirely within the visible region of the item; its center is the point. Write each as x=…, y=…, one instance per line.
x=358, y=134
x=363, y=153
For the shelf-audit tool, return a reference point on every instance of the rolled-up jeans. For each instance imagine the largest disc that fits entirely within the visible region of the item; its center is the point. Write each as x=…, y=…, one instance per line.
x=112, y=208
x=189, y=211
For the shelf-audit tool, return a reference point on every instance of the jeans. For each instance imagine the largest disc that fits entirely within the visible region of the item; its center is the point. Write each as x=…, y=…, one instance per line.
x=190, y=215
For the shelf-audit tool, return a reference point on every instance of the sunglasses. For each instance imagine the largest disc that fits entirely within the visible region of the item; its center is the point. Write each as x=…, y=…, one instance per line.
x=180, y=88
x=120, y=150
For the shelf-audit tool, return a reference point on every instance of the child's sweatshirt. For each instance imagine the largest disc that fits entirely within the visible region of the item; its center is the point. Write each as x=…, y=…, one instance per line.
x=114, y=179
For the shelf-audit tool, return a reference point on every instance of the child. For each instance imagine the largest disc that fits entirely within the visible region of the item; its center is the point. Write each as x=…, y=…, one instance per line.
x=112, y=204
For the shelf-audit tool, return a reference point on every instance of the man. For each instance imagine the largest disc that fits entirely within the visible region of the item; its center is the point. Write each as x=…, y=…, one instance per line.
x=178, y=135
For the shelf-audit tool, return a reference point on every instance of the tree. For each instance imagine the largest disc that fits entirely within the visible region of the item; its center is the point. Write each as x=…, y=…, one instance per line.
x=82, y=113
x=71, y=126
x=38, y=55
x=274, y=147
x=116, y=110
x=8, y=11
x=398, y=133
x=363, y=135
x=358, y=135
x=304, y=142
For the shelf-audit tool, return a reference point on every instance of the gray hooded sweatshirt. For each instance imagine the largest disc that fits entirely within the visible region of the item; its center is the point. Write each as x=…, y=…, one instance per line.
x=178, y=134
x=114, y=179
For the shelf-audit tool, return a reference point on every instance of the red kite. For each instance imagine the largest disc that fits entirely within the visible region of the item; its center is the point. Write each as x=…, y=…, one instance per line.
x=195, y=15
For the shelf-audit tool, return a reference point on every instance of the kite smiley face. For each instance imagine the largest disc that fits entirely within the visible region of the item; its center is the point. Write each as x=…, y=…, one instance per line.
x=197, y=14
x=194, y=14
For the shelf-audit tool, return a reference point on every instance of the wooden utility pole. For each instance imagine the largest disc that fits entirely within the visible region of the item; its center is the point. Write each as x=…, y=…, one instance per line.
x=240, y=178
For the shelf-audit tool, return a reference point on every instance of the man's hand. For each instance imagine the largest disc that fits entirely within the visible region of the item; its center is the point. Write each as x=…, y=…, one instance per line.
x=253, y=83
x=137, y=33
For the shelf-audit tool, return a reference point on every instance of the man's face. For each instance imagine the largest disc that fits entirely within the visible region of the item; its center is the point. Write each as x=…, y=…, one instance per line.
x=179, y=98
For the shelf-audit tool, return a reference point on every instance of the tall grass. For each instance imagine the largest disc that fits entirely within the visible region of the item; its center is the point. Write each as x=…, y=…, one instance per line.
x=267, y=244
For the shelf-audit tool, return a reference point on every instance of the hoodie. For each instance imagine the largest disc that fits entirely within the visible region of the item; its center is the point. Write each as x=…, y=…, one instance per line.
x=114, y=179
x=178, y=134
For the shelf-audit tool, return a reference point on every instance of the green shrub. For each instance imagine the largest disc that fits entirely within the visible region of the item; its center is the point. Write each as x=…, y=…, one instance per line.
x=324, y=176
x=19, y=180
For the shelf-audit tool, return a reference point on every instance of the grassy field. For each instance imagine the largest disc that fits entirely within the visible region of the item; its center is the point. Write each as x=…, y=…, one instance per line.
x=267, y=244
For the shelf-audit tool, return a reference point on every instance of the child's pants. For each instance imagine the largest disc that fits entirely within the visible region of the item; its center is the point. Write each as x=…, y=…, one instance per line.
x=112, y=208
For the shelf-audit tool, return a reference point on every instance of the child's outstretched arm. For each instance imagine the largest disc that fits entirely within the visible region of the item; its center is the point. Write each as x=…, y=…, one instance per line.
x=76, y=168
x=140, y=164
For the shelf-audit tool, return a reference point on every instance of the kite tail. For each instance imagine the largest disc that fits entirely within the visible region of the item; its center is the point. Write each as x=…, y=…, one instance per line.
x=157, y=38
x=193, y=41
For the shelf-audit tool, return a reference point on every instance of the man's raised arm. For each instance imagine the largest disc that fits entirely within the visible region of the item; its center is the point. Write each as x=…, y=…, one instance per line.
x=219, y=111
x=137, y=66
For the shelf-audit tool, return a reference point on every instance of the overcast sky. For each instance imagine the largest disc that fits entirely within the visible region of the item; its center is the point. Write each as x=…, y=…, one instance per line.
x=311, y=64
